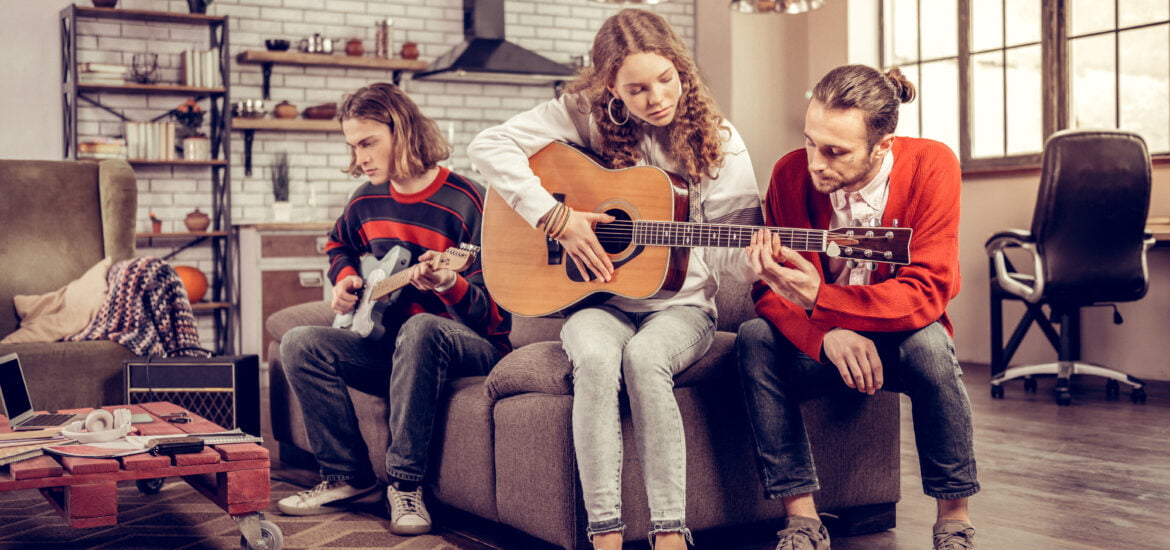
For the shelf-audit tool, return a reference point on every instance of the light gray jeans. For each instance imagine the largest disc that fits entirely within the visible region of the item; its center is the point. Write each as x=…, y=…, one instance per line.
x=646, y=350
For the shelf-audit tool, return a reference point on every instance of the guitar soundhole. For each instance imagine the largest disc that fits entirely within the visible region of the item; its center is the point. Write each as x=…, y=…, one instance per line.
x=615, y=236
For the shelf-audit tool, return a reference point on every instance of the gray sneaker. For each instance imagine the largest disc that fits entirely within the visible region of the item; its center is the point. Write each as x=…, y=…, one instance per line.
x=801, y=533
x=327, y=497
x=954, y=535
x=408, y=512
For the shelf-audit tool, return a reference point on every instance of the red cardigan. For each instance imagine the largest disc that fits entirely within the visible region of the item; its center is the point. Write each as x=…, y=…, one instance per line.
x=925, y=186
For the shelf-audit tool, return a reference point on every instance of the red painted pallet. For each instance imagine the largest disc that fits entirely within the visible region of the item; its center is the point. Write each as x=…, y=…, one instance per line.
x=84, y=490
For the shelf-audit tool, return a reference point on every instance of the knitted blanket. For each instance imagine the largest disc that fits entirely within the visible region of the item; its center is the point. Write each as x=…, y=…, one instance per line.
x=147, y=310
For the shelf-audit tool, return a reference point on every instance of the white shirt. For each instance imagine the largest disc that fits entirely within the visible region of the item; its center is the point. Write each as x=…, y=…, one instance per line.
x=863, y=207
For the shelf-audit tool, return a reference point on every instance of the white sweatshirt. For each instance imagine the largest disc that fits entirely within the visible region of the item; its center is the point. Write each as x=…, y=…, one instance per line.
x=500, y=154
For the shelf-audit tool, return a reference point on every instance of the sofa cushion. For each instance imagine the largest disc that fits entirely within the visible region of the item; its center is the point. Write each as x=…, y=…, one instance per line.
x=317, y=313
x=543, y=367
x=66, y=311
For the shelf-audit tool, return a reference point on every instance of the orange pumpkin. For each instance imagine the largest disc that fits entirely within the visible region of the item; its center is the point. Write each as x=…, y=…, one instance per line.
x=194, y=281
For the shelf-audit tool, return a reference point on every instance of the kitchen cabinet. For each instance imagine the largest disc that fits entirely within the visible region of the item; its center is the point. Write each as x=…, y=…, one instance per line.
x=282, y=264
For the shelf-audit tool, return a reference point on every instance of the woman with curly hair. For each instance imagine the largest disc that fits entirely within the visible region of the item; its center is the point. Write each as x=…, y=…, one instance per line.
x=641, y=103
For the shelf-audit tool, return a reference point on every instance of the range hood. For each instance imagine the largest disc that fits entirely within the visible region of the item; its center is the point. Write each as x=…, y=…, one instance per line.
x=484, y=56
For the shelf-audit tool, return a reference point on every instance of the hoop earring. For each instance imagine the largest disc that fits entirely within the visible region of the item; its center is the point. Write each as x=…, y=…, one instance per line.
x=609, y=111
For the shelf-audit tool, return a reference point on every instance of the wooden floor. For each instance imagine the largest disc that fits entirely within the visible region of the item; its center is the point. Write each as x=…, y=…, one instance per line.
x=1090, y=476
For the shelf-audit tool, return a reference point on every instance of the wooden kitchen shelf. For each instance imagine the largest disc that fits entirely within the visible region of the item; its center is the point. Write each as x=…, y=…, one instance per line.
x=286, y=124
x=329, y=60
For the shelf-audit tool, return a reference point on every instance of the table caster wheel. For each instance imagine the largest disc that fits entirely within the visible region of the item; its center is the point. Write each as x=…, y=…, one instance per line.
x=1063, y=398
x=270, y=535
x=1138, y=395
x=1030, y=385
x=150, y=486
x=1112, y=390
x=997, y=392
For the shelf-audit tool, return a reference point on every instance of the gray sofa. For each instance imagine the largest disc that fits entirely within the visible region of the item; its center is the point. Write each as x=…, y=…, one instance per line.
x=61, y=218
x=504, y=449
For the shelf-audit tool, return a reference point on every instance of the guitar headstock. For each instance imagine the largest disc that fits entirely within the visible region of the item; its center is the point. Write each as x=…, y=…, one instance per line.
x=889, y=245
x=456, y=259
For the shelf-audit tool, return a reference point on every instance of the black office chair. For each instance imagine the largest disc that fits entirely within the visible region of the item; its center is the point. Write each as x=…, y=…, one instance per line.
x=1088, y=248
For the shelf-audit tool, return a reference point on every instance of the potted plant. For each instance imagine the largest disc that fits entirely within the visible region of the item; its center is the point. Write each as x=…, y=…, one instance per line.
x=189, y=115
x=278, y=172
x=198, y=6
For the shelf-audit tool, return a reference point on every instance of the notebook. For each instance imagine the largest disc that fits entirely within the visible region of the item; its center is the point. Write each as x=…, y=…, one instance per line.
x=17, y=403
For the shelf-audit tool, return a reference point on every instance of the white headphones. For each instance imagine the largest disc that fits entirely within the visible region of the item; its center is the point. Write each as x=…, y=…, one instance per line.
x=99, y=426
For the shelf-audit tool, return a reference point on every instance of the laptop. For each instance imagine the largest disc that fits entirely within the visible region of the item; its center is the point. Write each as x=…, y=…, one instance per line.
x=17, y=403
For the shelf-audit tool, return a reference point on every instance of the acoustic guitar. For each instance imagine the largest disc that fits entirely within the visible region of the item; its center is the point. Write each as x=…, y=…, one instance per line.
x=383, y=279
x=649, y=241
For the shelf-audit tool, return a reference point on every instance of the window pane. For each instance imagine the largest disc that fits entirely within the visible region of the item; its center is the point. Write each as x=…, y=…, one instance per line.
x=1090, y=16
x=908, y=116
x=1022, y=21
x=1136, y=12
x=939, y=95
x=901, y=32
x=1145, y=85
x=987, y=105
x=940, y=29
x=1091, y=70
x=1025, y=113
x=987, y=26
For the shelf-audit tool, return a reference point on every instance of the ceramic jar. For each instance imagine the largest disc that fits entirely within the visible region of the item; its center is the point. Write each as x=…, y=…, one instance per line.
x=197, y=221
x=354, y=47
x=409, y=50
x=285, y=110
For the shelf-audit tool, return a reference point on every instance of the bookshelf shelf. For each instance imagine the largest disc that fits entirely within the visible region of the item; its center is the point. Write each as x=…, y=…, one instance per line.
x=160, y=89
x=178, y=162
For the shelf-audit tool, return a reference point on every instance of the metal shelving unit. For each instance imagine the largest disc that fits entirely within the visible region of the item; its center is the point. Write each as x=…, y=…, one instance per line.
x=219, y=304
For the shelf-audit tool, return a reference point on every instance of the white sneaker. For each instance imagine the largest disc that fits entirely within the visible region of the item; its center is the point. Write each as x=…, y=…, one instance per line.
x=327, y=497
x=408, y=512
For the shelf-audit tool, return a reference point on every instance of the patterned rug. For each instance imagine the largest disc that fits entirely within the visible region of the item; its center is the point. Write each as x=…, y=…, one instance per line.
x=179, y=517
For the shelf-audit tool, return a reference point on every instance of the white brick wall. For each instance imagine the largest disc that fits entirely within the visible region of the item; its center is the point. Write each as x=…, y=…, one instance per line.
x=557, y=29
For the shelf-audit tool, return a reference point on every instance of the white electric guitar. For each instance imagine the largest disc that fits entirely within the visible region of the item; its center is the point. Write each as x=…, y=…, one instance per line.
x=385, y=278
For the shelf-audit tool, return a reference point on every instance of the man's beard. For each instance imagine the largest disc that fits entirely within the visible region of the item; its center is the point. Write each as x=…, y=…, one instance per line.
x=830, y=186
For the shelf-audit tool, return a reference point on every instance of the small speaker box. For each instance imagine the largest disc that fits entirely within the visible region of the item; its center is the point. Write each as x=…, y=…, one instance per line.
x=224, y=390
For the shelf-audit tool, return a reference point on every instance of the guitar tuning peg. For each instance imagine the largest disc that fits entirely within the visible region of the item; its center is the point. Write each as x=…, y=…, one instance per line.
x=870, y=266
x=851, y=264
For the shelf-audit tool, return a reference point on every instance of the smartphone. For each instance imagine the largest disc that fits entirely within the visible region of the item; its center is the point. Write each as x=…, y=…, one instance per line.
x=141, y=418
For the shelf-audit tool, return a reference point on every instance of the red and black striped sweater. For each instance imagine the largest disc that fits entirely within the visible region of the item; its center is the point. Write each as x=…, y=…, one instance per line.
x=443, y=215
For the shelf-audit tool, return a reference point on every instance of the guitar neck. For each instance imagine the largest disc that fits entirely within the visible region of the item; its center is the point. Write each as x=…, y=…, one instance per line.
x=689, y=234
x=387, y=286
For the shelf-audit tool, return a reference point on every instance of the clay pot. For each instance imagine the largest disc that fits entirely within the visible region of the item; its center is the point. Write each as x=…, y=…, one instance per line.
x=409, y=50
x=285, y=110
x=354, y=47
x=197, y=221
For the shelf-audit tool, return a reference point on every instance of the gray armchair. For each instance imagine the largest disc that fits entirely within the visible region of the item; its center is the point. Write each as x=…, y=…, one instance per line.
x=61, y=218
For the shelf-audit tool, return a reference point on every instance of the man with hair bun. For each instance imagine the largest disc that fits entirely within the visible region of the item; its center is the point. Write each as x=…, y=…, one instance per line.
x=831, y=327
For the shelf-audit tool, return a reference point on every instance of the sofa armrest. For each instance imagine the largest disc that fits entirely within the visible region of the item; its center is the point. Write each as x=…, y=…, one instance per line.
x=308, y=314
x=542, y=367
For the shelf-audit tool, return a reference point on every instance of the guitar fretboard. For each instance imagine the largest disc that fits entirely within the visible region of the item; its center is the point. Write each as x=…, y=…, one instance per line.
x=689, y=234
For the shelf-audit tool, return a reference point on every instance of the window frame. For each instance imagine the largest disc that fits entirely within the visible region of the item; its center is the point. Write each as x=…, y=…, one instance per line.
x=1056, y=86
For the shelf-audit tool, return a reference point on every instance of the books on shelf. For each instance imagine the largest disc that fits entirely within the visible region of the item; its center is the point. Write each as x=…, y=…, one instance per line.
x=201, y=68
x=150, y=140
x=102, y=73
x=101, y=148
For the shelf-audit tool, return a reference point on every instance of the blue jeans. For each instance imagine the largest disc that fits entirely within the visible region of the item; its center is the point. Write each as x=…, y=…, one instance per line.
x=646, y=350
x=414, y=367
x=921, y=364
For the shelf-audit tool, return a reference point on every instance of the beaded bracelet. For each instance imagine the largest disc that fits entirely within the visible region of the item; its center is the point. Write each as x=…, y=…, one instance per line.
x=560, y=230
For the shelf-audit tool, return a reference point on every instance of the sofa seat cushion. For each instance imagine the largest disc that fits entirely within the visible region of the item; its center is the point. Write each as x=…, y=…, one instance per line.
x=543, y=367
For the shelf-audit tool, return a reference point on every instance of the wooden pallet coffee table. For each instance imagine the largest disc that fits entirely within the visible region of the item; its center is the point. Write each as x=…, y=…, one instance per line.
x=84, y=490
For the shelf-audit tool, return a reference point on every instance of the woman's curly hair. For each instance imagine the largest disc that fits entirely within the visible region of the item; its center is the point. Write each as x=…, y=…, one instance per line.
x=693, y=136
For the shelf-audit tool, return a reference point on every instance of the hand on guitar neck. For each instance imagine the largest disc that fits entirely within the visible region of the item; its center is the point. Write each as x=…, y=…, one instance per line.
x=785, y=271
x=425, y=275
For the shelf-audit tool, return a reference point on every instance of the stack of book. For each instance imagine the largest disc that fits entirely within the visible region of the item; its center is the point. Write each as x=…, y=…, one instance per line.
x=102, y=73
x=201, y=68
x=18, y=446
x=101, y=148
x=151, y=140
